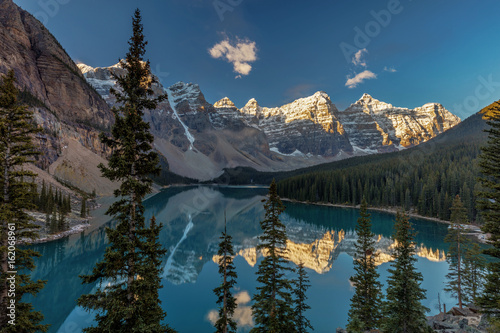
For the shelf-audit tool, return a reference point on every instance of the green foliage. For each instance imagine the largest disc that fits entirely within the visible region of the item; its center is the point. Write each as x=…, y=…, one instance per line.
x=83, y=208
x=27, y=98
x=225, y=298
x=16, y=149
x=47, y=201
x=457, y=249
x=301, y=284
x=489, y=203
x=426, y=184
x=403, y=311
x=132, y=260
x=55, y=205
x=365, y=312
x=272, y=308
x=473, y=273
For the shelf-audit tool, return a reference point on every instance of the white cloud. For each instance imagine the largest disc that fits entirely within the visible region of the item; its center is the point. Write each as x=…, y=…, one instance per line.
x=358, y=59
x=240, y=55
x=242, y=313
x=359, y=78
x=390, y=69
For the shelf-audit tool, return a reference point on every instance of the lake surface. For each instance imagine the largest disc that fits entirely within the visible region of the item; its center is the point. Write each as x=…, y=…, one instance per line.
x=193, y=217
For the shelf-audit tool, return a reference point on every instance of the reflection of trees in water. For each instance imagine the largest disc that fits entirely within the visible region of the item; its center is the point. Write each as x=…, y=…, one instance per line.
x=317, y=235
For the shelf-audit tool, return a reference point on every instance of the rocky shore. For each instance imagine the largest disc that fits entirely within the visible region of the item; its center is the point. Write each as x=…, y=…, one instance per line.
x=466, y=320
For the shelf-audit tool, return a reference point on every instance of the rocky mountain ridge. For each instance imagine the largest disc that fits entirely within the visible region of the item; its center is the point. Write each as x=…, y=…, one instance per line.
x=69, y=111
x=305, y=132
x=378, y=126
x=370, y=126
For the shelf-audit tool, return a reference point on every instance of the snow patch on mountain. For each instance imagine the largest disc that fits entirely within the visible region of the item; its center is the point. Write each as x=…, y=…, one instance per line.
x=189, y=136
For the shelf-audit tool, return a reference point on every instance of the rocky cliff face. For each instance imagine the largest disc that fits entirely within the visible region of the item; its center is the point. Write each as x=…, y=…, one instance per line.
x=200, y=139
x=68, y=109
x=314, y=126
x=196, y=140
x=374, y=126
x=306, y=126
x=45, y=70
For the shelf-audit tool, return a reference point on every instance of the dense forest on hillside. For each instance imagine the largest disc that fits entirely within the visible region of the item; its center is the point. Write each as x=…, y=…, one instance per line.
x=426, y=185
x=424, y=179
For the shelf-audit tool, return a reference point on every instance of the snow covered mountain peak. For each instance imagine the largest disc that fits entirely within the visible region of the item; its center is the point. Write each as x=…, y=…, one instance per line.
x=369, y=104
x=193, y=133
x=84, y=68
x=224, y=103
x=185, y=91
x=252, y=108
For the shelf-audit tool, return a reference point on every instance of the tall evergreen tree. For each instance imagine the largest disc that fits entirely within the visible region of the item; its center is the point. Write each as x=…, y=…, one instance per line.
x=16, y=150
x=272, y=308
x=43, y=198
x=132, y=260
x=473, y=273
x=403, y=311
x=489, y=203
x=301, y=284
x=225, y=298
x=365, y=312
x=83, y=209
x=458, y=246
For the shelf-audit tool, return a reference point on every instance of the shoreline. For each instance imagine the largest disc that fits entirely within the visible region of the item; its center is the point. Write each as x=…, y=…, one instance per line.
x=96, y=215
x=103, y=203
x=78, y=228
x=380, y=209
x=479, y=236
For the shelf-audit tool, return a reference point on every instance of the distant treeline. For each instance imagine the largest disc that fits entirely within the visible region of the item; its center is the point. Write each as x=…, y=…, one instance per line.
x=425, y=181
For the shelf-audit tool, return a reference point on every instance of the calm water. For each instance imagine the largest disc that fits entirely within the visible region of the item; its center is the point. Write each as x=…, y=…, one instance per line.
x=321, y=237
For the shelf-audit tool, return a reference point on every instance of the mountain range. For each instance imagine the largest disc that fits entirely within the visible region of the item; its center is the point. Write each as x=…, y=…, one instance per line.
x=195, y=138
x=200, y=139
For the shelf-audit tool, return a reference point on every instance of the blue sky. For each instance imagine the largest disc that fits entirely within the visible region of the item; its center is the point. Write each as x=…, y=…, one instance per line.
x=409, y=52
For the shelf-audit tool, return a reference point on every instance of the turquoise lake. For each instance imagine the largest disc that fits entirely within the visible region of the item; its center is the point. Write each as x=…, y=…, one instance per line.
x=193, y=218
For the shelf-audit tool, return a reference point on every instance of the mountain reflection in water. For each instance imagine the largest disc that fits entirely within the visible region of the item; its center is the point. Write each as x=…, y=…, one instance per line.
x=323, y=238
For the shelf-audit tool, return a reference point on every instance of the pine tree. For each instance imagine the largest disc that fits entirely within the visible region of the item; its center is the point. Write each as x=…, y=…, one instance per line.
x=366, y=301
x=67, y=204
x=62, y=224
x=43, y=198
x=16, y=149
x=50, y=199
x=458, y=245
x=473, y=273
x=225, y=298
x=54, y=227
x=489, y=203
x=403, y=311
x=83, y=210
x=301, y=285
x=132, y=259
x=272, y=308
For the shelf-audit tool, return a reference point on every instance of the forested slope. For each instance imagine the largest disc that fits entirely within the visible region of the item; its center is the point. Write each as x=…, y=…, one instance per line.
x=424, y=179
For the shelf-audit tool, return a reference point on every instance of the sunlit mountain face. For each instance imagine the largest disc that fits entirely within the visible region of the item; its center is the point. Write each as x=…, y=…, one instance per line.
x=323, y=238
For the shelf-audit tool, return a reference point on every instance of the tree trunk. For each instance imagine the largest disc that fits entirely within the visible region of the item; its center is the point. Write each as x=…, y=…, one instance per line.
x=131, y=237
x=225, y=294
x=459, y=270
